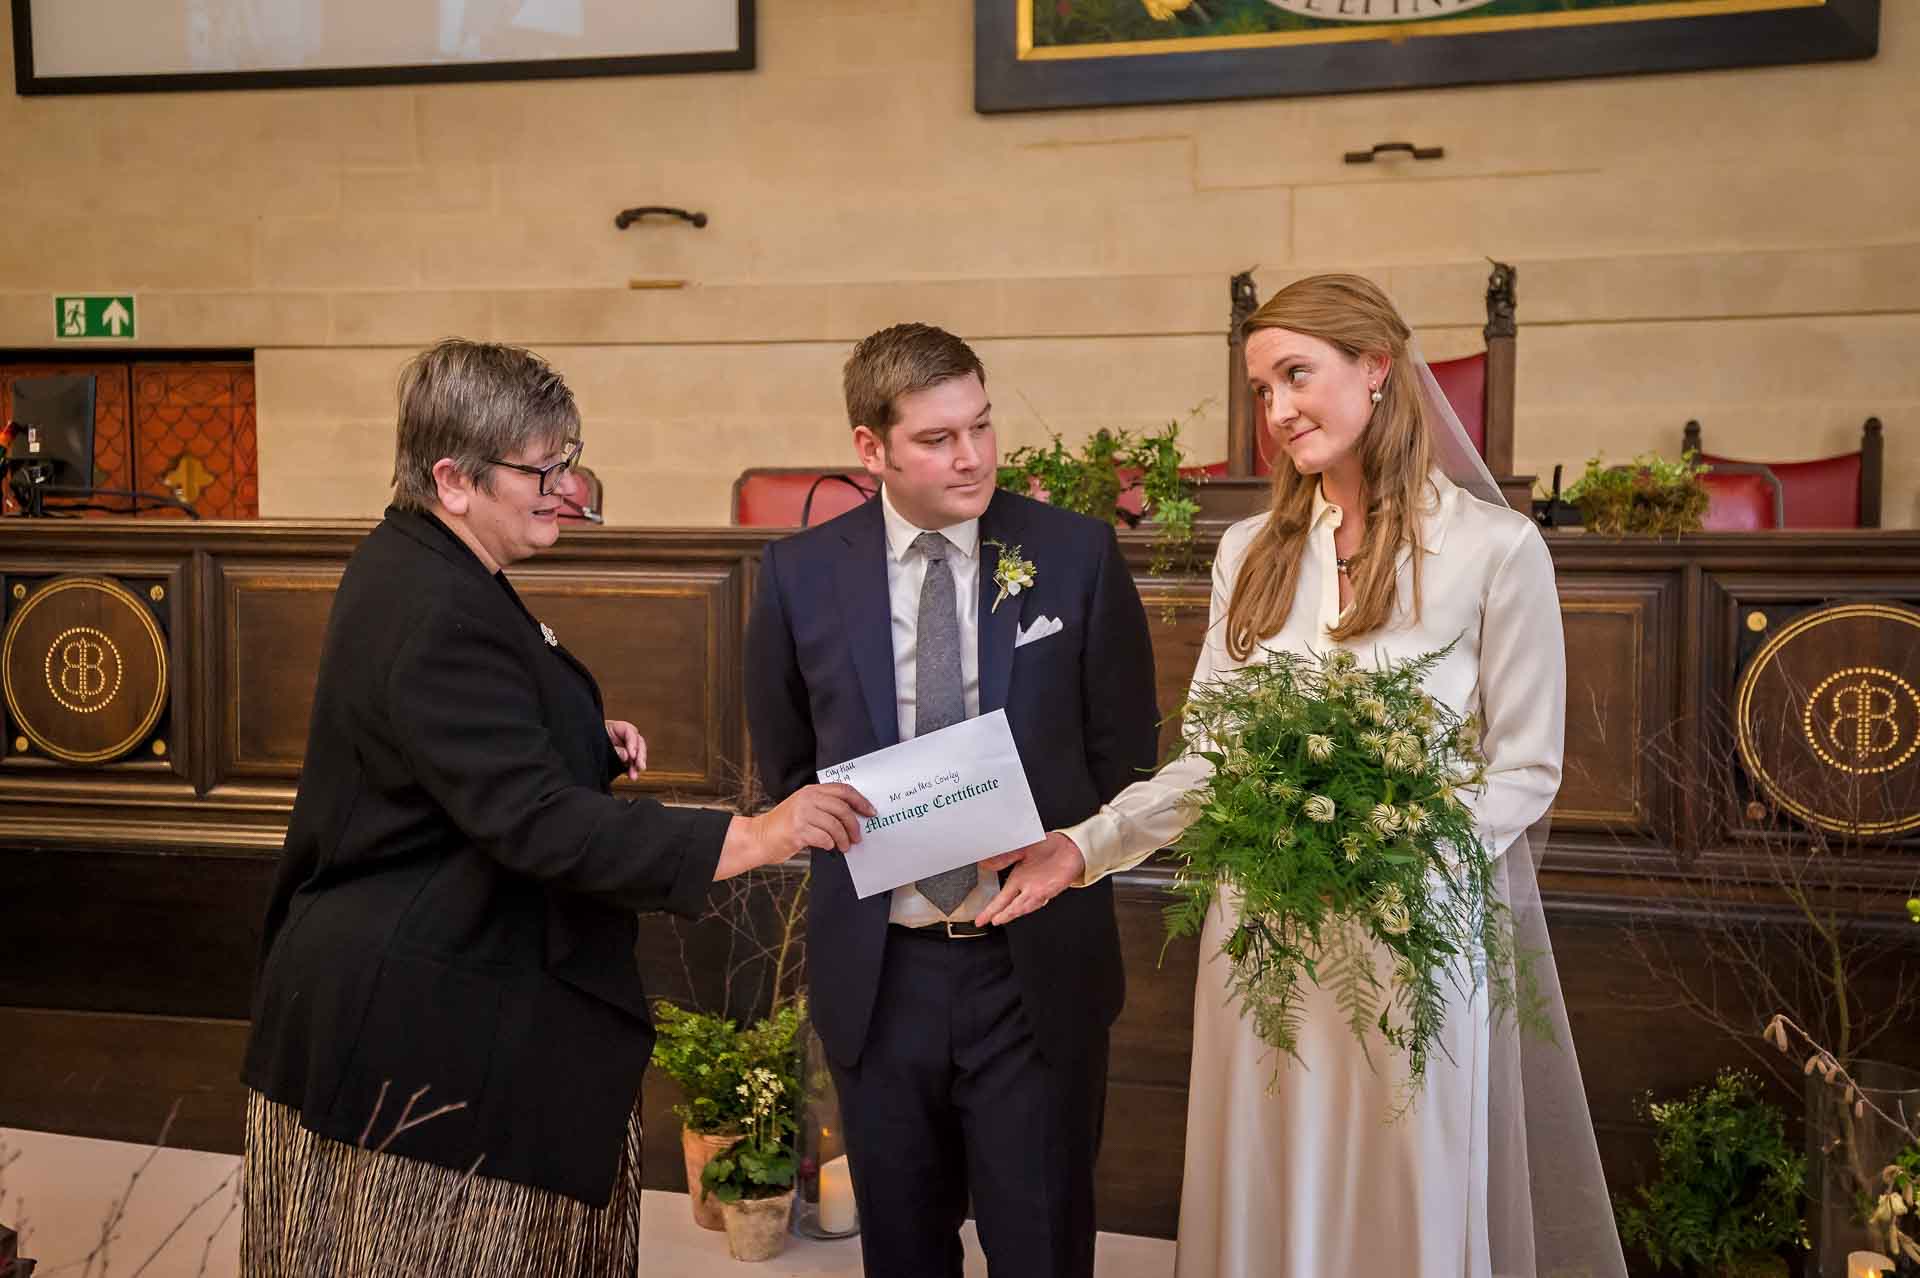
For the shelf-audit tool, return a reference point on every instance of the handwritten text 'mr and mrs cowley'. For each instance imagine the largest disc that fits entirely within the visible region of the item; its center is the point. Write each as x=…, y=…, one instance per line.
x=946, y=800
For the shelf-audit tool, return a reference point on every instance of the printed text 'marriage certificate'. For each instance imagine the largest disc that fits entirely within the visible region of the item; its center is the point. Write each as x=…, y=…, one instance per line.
x=947, y=799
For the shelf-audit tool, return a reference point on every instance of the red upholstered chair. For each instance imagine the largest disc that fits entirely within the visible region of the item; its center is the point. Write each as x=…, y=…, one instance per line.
x=585, y=506
x=1742, y=498
x=1464, y=382
x=1828, y=492
x=797, y=496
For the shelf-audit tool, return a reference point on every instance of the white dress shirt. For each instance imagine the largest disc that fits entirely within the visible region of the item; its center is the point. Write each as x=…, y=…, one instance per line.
x=906, y=572
x=1489, y=592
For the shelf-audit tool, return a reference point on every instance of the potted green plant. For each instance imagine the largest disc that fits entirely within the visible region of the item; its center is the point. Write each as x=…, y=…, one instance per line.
x=752, y=1179
x=1108, y=464
x=1649, y=496
x=1729, y=1193
x=712, y=1061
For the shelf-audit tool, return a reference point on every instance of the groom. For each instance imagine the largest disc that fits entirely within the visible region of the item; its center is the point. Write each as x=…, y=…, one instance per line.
x=970, y=1061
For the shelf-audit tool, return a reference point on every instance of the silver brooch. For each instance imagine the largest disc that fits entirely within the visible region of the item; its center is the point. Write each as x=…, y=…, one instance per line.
x=546, y=632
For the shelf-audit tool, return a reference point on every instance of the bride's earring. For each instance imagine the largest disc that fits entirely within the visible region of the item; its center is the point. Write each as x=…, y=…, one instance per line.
x=1378, y=395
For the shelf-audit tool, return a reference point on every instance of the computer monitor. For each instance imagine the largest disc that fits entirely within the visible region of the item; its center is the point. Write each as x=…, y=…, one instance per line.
x=53, y=425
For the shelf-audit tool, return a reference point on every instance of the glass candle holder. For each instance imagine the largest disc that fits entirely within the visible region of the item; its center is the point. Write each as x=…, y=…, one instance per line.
x=823, y=1204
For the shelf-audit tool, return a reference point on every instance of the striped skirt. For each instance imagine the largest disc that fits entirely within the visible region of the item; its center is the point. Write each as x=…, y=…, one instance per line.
x=315, y=1208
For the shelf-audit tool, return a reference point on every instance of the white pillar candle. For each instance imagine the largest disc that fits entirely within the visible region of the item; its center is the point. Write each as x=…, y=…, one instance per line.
x=1867, y=1264
x=837, y=1212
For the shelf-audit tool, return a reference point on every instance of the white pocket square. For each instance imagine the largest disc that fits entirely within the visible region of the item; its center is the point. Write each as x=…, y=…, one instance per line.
x=1040, y=629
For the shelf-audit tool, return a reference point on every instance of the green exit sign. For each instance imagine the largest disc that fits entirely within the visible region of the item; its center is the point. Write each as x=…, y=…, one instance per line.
x=93, y=317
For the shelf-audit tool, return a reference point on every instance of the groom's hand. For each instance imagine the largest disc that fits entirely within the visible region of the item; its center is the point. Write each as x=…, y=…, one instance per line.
x=1043, y=871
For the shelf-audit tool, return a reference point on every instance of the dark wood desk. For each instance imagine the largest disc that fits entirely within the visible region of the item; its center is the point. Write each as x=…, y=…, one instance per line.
x=134, y=888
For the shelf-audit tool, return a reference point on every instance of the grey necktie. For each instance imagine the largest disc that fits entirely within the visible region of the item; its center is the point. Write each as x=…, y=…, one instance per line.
x=939, y=700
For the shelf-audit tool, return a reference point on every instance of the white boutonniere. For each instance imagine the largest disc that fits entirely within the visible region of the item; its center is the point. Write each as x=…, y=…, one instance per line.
x=1012, y=574
x=546, y=632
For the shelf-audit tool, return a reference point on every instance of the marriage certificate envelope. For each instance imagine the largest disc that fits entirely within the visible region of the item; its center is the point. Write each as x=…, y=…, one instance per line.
x=941, y=801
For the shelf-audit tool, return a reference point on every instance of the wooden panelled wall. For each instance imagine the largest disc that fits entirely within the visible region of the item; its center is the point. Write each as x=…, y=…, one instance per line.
x=133, y=891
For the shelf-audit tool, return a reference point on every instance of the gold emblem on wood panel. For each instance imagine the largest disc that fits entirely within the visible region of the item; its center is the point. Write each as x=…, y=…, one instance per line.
x=90, y=669
x=1854, y=720
x=1756, y=621
x=19, y=591
x=1828, y=718
x=84, y=669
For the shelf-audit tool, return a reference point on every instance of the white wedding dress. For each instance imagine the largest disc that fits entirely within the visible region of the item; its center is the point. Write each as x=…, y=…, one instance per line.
x=1303, y=1175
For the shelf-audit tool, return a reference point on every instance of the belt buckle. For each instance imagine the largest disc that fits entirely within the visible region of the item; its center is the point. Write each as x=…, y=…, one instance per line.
x=974, y=932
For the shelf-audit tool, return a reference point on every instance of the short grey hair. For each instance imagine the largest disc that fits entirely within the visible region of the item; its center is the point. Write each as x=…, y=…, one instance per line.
x=474, y=401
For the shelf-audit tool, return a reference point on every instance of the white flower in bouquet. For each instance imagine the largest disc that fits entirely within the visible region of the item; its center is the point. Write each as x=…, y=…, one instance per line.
x=1319, y=748
x=1403, y=752
x=1319, y=808
x=1385, y=819
x=1391, y=909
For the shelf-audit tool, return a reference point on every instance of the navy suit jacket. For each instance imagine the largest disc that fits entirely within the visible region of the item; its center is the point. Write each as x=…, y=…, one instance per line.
x=820, y=691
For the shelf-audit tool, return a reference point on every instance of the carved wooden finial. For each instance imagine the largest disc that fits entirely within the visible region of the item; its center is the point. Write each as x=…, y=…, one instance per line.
x=1500, y=301
x=1245, y=302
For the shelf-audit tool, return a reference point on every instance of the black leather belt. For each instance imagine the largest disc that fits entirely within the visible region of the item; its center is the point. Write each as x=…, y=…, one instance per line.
x=948, y=930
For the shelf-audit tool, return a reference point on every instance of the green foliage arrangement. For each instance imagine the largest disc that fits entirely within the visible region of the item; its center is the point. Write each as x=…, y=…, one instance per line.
x=1730, y=1188
x=760, y=1164
x=712, y=1059
x=1649, y=495
x=1333, y=818
x=1089, y=482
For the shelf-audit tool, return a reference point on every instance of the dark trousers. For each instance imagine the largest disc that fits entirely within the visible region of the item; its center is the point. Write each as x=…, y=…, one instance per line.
x=951, y=1098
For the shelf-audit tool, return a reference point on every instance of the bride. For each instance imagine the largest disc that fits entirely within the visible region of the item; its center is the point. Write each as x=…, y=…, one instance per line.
x=1386, y=537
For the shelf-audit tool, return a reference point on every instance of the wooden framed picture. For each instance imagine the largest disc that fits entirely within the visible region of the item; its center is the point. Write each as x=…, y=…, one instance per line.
x=143, y=46
x=1040, y=54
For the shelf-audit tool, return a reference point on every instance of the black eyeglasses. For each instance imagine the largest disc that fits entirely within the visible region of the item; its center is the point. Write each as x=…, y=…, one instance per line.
x=551, y=473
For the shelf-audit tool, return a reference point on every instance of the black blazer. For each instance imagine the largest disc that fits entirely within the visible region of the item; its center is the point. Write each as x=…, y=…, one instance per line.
x=1080, y=702
x=455, y=907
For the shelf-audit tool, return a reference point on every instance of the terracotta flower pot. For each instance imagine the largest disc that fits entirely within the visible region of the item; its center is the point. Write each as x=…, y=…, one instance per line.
x=699, y=1148
x=757, y=1227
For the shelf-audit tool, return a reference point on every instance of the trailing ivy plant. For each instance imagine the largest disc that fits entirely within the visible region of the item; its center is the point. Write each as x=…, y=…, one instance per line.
x=1088, y=481
x=1729, y=1194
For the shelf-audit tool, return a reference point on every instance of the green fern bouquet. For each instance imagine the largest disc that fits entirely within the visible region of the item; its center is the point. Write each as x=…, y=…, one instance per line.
x=1334, y=815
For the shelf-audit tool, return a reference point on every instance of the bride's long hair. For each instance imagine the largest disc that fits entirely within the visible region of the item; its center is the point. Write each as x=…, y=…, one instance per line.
x=1353, y=316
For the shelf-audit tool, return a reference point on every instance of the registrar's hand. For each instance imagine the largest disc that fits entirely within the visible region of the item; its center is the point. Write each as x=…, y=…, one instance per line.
x=1041, y=871
x=629, y=745
x=815, y=816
